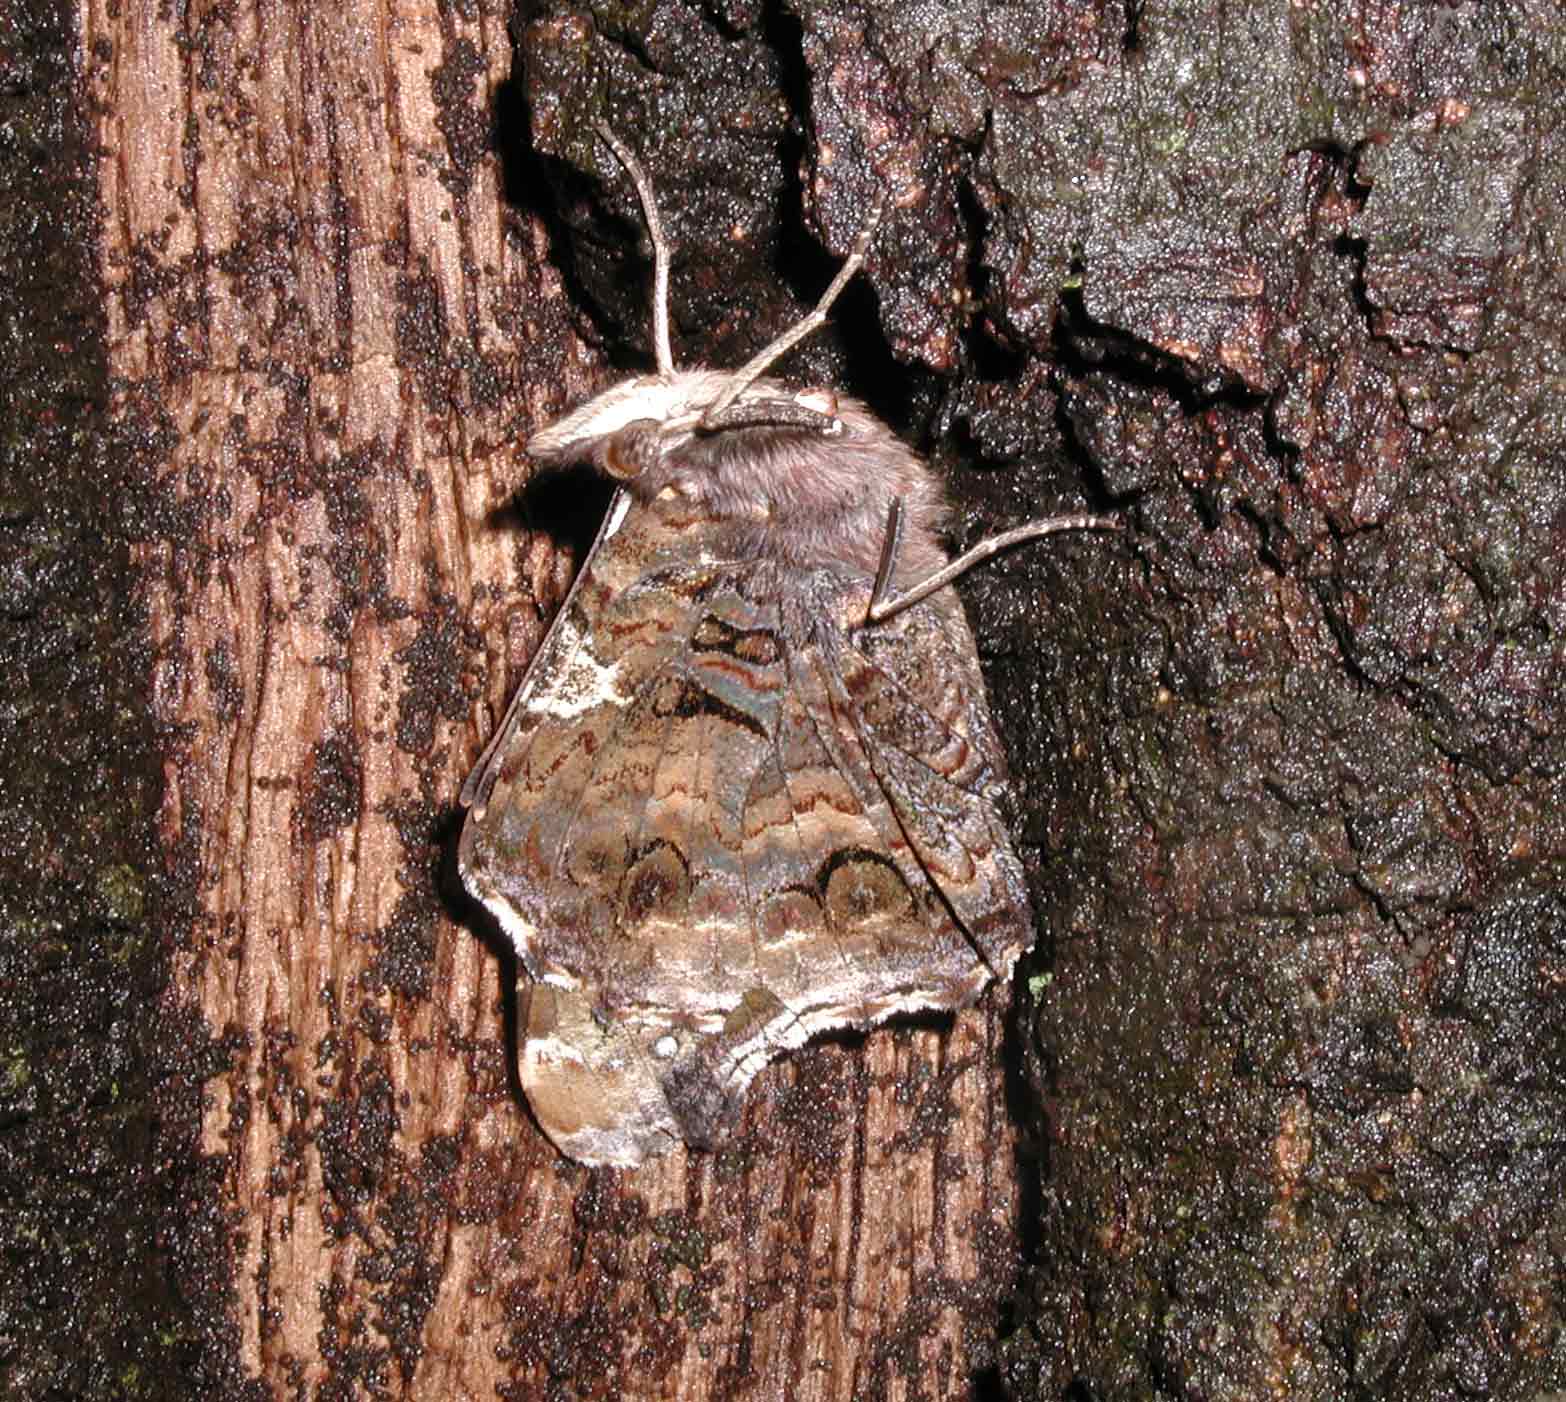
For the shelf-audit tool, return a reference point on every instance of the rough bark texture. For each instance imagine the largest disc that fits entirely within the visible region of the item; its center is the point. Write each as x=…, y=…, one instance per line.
x=89, y=1103
x=331, y=316
x=1284, y=283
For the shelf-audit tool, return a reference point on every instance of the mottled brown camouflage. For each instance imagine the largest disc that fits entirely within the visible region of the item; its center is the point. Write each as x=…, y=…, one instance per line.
x=724, y=815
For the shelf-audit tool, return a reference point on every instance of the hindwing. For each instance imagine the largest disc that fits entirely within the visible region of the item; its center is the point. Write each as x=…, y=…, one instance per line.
x=720, y=818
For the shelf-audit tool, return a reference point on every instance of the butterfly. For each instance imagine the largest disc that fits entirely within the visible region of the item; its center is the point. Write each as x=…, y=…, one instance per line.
x=749, y=790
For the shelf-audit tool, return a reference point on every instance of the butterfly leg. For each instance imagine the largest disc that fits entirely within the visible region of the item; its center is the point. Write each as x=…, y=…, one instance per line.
x=888, y=567
x=881, y=608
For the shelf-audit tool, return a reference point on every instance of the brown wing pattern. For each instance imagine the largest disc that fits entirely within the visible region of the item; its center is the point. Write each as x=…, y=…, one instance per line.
x=723, y=820
x=917, y=698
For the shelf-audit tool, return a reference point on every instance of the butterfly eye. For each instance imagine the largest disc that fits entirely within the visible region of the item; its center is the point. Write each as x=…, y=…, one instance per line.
x=631, y=451
x=665, y=1047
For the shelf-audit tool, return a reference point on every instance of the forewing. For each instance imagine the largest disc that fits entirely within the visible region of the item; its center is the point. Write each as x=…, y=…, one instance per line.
x=607, y=832
x=721, y=821
x=581, y=716
x=550, y=664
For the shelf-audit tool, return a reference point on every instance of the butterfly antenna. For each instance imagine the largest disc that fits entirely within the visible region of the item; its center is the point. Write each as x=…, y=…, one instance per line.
x=644, y=192
x=747, y=374
x=881, y=608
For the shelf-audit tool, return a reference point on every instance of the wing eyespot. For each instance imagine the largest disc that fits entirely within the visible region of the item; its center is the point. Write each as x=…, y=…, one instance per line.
x=861, y=888
x=658, y=881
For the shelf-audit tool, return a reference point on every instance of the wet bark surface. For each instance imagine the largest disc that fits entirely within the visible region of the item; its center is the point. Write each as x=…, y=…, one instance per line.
x=115, y=1278
x=1277, y=1108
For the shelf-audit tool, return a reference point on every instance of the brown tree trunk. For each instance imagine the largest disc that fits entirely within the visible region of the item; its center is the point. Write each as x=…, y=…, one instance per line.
x=1280, y=281
x=330, y=327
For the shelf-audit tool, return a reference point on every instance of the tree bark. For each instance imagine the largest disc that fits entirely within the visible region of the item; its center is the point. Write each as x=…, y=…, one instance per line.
x=1281, y=282
x=331, y=326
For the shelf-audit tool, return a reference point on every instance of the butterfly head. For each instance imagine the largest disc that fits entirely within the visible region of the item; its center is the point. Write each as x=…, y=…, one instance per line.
x=805, y=477
x=802, y=476
x=673, y=409
x=582, y=435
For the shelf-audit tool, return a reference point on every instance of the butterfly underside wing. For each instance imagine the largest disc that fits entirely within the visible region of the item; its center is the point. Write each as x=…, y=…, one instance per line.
x=725, y=813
